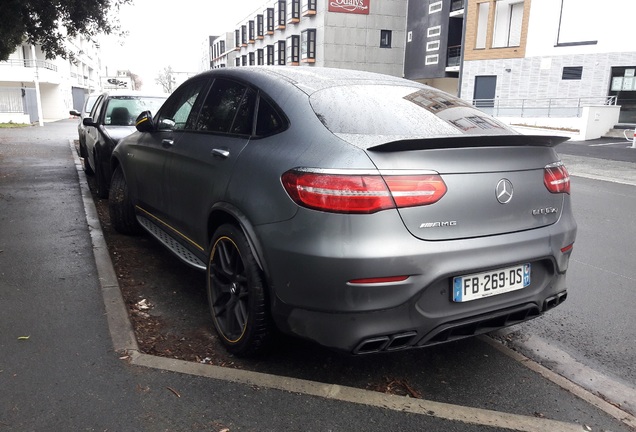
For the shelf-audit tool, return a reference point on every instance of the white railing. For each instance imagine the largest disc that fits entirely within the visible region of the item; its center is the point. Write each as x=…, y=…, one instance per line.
x=545, y=107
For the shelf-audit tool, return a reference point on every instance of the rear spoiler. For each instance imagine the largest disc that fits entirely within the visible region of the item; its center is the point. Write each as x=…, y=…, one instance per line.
x=463, y=141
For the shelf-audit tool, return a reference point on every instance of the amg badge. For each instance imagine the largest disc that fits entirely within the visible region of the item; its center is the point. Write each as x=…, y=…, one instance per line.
x=438, y=224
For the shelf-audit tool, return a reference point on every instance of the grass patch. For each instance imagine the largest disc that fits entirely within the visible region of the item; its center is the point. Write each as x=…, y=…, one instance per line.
x=13, y=125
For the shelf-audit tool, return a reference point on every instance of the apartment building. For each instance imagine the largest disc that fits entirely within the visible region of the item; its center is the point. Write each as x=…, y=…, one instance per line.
x=353, y=34
x=539, y=52
x=434, y=33
x=58, y=84
x=222, y=50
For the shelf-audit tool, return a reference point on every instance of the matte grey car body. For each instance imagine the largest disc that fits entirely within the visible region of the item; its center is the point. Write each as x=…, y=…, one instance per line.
x=351, y=205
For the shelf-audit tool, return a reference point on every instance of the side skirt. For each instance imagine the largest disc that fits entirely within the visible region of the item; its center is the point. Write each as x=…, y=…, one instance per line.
x=183, y=253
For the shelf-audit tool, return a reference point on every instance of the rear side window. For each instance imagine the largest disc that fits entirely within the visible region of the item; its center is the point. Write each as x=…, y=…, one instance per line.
x=268, y=121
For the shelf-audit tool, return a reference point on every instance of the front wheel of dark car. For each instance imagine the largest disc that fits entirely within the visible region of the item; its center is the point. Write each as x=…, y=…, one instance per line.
x=101, y=181
x=120, y=207
x=83, y=152
x=237, y=294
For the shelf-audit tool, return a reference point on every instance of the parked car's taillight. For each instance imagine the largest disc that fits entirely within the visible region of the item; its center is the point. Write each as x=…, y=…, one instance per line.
x=361, y=193
x=556, y=178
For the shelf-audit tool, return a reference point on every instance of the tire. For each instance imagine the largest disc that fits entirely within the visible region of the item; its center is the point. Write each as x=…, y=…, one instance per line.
x=120, y=207
x=83, y=152
x=237, y=294
x=101, y=182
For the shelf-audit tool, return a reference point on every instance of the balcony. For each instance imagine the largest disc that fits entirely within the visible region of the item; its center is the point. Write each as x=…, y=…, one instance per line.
x=29, y=64
x=453, y=58
x=457, y=8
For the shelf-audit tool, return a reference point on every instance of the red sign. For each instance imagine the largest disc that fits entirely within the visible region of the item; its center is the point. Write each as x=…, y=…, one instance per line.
x=349, y=6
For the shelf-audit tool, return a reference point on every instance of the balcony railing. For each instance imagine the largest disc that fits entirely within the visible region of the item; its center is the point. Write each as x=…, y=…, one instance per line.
x=545, y=107
x=457, y=5
x=29, y=63
x=454, y=56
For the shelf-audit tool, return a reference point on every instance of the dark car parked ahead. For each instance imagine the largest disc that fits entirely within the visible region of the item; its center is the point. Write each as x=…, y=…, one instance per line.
x=89, y=103
x=112, y=118
x=362, y=211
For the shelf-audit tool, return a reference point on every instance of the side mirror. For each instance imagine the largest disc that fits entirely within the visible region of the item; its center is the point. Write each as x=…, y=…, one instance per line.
x=88, y=121
x=144, y=122
x=75, y=113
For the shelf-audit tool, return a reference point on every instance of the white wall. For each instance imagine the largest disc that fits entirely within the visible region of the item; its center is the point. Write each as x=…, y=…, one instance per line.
x=611, y=23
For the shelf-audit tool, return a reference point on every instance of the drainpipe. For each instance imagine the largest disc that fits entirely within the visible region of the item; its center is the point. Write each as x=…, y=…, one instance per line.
x=461, y=54
x=36, y=82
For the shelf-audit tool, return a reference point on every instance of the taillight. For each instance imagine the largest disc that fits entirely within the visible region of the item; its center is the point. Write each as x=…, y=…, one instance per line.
x=556, y=178
x=361, y=193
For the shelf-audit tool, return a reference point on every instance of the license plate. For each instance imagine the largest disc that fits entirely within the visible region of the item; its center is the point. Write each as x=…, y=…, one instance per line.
x=490, y=283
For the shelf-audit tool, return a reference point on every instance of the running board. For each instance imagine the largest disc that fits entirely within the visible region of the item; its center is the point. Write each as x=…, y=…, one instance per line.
x=171, y=243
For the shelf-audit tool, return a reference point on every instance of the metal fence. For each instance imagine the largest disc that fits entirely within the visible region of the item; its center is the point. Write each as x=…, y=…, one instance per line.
x=11, y=100
x=29, y=63
x=546, y=107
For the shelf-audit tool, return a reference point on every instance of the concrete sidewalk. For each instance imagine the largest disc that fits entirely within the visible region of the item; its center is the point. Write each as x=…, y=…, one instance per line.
x=61, y=370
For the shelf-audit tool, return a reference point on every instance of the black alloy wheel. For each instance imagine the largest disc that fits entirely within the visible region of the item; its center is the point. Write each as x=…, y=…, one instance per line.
x=120, y=206
x=83, y=152
x=237, y=294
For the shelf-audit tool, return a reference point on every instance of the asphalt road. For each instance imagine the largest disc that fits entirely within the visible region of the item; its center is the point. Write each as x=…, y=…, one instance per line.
x=591, y=338
x=59, y=371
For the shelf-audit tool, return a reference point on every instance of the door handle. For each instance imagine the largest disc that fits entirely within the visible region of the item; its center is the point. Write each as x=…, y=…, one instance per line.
x=223, y=153
x=167, y=142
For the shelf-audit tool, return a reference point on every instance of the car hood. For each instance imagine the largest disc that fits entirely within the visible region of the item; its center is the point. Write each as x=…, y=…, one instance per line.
x=116, y=133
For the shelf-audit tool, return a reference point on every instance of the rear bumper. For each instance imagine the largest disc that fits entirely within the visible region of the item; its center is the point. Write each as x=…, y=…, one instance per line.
x=310, y=271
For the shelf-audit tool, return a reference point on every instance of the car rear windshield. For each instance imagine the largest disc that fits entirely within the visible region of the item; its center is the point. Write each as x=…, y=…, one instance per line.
x=123, y=110
x=400, y=111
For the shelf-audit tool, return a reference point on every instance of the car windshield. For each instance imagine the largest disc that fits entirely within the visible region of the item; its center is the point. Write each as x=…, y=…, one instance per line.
x=123, y=110
x=399, y=111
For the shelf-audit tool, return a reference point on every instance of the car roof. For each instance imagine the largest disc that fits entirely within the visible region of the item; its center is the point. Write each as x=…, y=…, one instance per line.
x=312, y=79
x=111, y=93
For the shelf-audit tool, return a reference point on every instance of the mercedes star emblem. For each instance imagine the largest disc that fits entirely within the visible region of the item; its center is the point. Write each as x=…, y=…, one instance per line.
x=504, y=191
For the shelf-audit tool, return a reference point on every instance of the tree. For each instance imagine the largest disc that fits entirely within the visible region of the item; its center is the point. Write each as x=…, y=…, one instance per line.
x=137, y=82
x=166, y=79
x=49, y=23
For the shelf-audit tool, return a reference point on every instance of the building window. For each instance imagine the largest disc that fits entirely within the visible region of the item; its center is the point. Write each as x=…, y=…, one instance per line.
x=433, y=31
x=251, y=58
x=281, y=6
x=237, y=38
x=269, y=12
x=432, y=46
x=434, y=7
x=482, y=25
x=259, y=57
x=431, y=59
x=385, y=38
x=508, y=22
x=308, y=46
x=572, y=73
x=293, y=50
x=237, y=61
x=244, y=35
x=280, y=52
x=259, y=27
x=577, y=26
x=244, y=60
x=293, y=11
x=309, y=7
x=222, y=47
x=251, y=37
x=270, y=54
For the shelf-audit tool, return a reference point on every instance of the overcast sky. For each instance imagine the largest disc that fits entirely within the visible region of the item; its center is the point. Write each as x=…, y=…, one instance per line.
x=172, y=33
